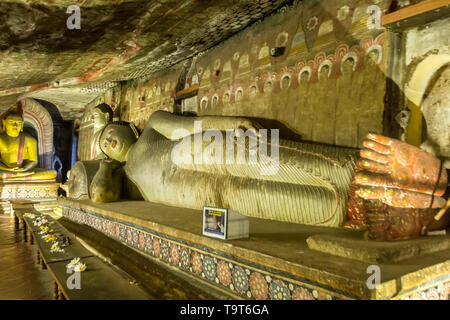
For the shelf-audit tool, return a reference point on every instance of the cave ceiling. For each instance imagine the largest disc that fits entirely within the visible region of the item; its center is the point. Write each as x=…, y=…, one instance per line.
x=118, y=40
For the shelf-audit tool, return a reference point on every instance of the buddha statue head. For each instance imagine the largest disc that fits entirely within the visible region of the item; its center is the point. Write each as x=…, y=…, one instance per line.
x=102, y=115
x=12, y=120
x=13, y=124
x=117, y=138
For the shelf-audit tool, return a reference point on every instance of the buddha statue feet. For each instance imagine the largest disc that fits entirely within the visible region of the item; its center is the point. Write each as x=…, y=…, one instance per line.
x=401, y=187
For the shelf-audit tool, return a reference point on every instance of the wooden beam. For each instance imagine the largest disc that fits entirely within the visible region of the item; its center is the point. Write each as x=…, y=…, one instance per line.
x=414, y=10
x=185, y=93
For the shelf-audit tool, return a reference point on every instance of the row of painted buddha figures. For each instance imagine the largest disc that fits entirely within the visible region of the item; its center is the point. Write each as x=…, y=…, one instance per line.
x=390, y=188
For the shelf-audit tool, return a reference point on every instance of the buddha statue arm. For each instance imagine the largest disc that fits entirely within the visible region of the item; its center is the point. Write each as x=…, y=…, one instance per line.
x=28, y=165
x=106, y=185
x=30, y=157
x=3, y=149
x=175, y=127
x=318, y=175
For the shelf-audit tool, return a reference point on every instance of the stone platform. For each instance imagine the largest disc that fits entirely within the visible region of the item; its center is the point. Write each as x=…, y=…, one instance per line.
x=352, y=246
x=29, y=190
x=275, y=262
x=43, y=193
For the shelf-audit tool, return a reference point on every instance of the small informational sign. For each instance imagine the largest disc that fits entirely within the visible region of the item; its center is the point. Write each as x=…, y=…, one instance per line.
x=214, y=222
x=224, y=224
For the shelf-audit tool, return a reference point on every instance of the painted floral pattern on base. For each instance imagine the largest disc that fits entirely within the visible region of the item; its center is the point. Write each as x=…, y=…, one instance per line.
x=224, y=273
x=258, y=286
x=197, y=264
x=209, y=268
x=240, y=279
x=440, y=292
x=279, y=290
x=174, y=254
x=185, y=258
x=302, y=294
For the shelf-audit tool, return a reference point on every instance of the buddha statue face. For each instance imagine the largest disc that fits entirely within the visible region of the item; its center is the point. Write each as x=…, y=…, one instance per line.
x=13, y=125
x=102, y=114
x=99, y=117
x=116, y=141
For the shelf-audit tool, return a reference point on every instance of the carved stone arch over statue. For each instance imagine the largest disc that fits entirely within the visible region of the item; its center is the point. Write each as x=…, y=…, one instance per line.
x=415, y=92
x=424, y=72
x=39, y=118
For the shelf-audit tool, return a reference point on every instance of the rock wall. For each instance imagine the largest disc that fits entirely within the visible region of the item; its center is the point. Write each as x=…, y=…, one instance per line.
x=427, y=77
x=314, y=70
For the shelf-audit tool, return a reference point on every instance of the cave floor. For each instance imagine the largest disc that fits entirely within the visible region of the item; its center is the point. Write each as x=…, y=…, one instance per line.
x=20, y=277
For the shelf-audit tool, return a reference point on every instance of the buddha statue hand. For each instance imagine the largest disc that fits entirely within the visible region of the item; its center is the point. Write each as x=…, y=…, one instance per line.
x=27, y=165
x=406, y=181
x=106, y=185
x=247, y=124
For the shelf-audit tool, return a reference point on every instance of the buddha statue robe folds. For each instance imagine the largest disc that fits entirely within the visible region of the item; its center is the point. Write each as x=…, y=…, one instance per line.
x=18, y=152
x=314, y=184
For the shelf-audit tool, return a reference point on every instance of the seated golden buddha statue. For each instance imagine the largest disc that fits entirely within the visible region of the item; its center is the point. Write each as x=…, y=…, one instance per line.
x=389, y=188
x=18, y=151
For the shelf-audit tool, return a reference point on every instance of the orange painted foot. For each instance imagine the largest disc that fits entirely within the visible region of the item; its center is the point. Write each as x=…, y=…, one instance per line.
x=400, y=187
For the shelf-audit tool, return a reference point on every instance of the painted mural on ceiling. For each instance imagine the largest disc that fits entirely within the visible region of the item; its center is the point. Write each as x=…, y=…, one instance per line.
x=317, y=87
x=117, y=40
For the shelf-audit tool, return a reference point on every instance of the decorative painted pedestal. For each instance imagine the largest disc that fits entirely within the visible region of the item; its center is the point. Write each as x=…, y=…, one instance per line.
x=275, y=262
x=41, y=192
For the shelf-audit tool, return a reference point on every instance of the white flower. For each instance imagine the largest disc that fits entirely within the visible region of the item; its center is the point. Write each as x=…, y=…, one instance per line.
x=40, y=221
x=55, y=248
x=80, y=267
x=76, y=265
x=73, y=263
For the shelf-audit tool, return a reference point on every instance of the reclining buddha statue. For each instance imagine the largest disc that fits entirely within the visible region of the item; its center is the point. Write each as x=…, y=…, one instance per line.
x=389, y=188
x=18, y=151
